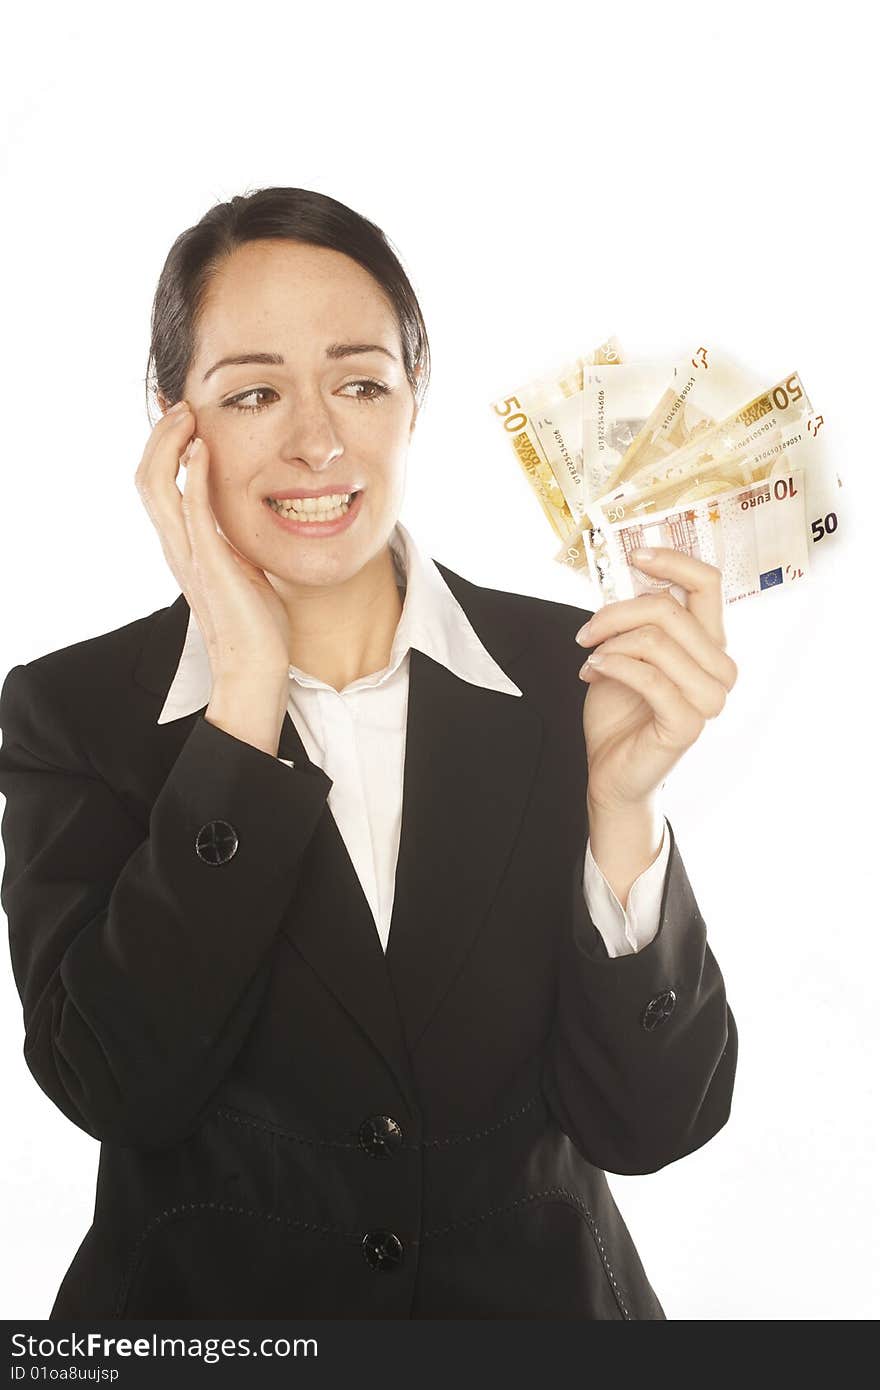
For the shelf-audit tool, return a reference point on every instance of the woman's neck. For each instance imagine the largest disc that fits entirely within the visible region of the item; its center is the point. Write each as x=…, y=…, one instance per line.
x=345, y=632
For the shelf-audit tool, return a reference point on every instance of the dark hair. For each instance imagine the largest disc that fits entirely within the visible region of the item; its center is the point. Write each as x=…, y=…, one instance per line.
x=298, y=214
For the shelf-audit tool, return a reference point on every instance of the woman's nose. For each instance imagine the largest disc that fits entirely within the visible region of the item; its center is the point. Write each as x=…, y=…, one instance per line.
x=312, y=436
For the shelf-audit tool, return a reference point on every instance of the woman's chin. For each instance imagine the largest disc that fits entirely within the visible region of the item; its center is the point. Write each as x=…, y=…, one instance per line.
x=312, y=571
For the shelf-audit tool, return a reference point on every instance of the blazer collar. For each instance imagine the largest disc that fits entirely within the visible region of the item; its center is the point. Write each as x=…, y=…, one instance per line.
x=471, y=758
x=432, y=621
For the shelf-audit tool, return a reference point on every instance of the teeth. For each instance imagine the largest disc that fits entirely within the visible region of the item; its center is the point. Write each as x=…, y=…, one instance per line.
x=326, y=508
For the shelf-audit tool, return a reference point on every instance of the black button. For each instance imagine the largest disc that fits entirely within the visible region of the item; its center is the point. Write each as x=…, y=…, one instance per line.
x=382, y=1250
x=380, y=1136
x=216, y=842
x=658, y=1009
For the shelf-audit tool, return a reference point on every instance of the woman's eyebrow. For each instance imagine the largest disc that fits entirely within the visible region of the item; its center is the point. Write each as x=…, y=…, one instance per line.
x=274, y=359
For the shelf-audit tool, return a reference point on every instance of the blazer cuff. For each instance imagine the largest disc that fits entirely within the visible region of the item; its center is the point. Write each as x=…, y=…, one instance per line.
x=625, y=931
x=640, y=1066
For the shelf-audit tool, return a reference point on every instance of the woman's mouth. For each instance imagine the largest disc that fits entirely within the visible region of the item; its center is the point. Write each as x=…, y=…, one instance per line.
x=319, y=516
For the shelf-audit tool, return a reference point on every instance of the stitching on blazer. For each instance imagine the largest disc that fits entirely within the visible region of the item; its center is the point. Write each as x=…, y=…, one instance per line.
x=187, y=1208
x=549, y=1194
x=355, y=1237
x=467, y=1138
x=239, y=1117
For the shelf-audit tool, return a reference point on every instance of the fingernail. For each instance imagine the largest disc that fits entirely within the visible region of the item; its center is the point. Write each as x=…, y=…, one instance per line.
x=643, y=554
x=596, y=659
x=584, y=633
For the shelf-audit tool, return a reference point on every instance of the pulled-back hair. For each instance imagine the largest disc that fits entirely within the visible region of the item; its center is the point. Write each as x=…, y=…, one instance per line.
x=298, y=214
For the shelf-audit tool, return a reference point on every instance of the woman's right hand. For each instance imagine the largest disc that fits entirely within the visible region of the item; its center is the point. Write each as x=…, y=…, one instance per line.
x=242, y=618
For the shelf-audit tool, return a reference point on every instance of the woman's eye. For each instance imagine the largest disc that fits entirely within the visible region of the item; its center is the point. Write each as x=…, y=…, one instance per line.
x=375, y=389
x=235, y=401
x=371, y=391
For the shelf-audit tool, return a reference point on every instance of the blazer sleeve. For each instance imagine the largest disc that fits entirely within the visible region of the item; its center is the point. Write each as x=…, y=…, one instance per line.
x=640, y=1063
x=140, y=964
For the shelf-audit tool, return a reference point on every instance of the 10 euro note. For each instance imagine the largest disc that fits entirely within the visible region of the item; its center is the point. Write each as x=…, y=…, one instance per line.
x=770, y=531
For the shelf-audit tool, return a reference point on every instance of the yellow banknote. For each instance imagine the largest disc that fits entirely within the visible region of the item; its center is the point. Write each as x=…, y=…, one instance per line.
x=751, y=488
x=616, y=404
x=543, y=420
x=705, y=386
x=735, y=450
x=637, y=413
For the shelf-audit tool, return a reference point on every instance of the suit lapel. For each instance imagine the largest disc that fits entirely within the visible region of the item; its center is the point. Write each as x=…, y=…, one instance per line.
x=471, y=758
x=470, y=762
x=332, y=927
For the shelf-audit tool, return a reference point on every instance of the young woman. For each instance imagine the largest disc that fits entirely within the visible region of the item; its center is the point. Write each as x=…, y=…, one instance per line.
x=319, y=923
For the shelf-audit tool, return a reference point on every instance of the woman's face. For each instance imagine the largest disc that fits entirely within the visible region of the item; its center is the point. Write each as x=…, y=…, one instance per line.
x=320, y=418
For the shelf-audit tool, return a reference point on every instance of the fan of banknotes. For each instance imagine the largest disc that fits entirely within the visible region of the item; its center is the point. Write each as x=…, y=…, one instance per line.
x=693, y=453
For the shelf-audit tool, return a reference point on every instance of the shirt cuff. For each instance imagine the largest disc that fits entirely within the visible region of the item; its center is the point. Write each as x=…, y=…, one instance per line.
x=625, y=932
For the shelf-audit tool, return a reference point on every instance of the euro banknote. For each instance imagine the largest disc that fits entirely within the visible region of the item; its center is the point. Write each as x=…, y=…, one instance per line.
x=616, y=403
x=751, y=488
x=755, y=535
x=749, y=438
x=701, y=390
x=569, y=429
x=769, y=531
x=543, y=421
x=642, y=410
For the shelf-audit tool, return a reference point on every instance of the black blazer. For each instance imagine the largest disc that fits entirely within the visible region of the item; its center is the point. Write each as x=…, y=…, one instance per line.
x=293, y=1123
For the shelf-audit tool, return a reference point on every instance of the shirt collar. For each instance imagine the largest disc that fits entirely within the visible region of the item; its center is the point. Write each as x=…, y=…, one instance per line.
x=432, y=621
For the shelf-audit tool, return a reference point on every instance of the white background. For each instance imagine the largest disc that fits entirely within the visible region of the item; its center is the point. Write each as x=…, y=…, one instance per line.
x=549, y=174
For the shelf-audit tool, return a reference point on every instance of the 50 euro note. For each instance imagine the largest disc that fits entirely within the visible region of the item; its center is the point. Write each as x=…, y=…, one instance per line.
x=761, y=534
x=615, y=402
x=543, y=420
x=706, y=386
x=737, y=449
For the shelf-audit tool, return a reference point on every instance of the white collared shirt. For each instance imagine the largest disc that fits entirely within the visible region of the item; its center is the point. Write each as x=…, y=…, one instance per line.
x=357, y=736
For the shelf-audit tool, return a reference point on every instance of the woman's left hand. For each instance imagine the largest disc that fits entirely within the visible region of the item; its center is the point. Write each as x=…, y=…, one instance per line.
x=664, y=673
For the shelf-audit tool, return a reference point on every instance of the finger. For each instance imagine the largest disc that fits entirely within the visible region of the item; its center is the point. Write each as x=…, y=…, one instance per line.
x=175, y=425
x=679, y=623
x=701, y=582
x=211, y=553
x=156, y=482
x=677, y=722
x=654, y=646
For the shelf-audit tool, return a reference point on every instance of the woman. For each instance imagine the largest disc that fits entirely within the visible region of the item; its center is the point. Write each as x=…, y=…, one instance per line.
x=304, y=915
